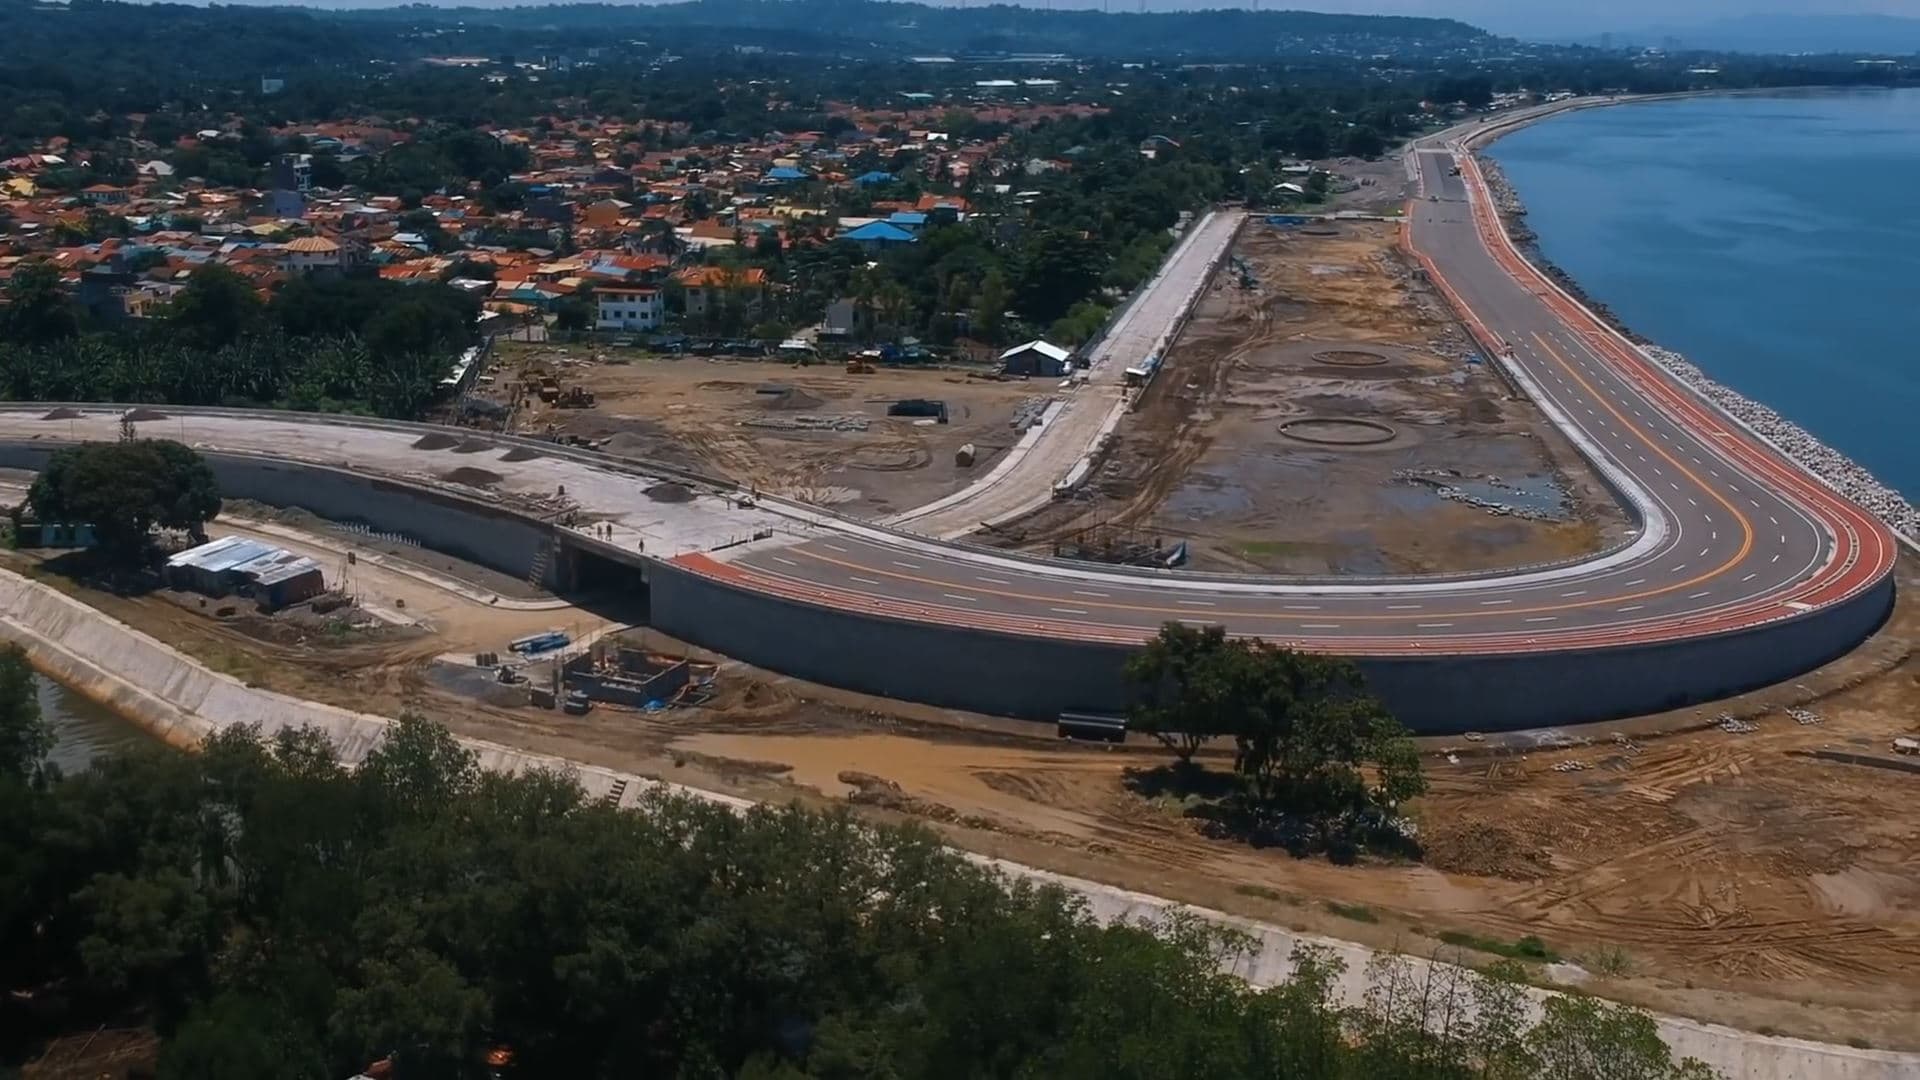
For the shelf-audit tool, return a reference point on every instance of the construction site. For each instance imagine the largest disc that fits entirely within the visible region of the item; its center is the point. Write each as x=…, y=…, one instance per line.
x=1323, y=413
x=859, y=437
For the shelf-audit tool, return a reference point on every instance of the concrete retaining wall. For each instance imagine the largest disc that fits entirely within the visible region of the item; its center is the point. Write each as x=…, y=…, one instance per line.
x=1038, y=678
x=493, y=537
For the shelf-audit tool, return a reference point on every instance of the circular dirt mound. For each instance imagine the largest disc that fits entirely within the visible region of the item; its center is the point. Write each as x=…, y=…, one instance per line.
x=472, y=477
x=144, y=414
x=888, y=459
x=1350, y=358
x=62, y=414
x=669, y=492
x=520, y=453
x=434, y=441
x=1337, y=431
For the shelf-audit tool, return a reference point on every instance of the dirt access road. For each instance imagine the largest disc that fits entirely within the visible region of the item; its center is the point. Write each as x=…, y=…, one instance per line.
x=743, y=419
x=1340, y=343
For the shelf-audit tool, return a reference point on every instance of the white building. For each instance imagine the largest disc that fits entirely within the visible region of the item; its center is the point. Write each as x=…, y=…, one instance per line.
x=309, y=254
x=627, y=307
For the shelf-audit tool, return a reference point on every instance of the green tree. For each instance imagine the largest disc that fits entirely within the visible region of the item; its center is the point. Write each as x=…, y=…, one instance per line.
x=215, y=308
x=1303, y=726
x=123, y=490
x=1057, y=268
x=1584, y=1038
x=38, y=308
x=25, y=736
x=990, y=306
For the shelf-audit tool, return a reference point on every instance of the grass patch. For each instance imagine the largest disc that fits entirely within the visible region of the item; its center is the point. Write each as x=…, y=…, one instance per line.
x=1610, y=961
x=1527, y=948
x=1356, y=912
x=1263, y=893
x=1859, y=1043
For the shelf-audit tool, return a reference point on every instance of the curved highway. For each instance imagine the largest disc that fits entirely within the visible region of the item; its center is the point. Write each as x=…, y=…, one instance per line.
x=1732, y=536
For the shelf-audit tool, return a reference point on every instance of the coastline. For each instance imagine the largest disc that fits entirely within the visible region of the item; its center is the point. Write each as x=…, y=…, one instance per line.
x=1788, y=438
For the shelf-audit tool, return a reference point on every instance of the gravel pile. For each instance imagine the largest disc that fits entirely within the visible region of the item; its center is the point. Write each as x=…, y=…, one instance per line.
x=1846, y=476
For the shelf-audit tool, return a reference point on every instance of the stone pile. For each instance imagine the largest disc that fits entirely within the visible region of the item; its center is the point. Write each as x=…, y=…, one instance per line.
x=1840, y=472
x=805, y=422
x=1029, y=411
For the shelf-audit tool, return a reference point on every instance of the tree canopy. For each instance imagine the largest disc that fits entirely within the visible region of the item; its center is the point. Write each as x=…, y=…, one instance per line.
x=123, y=490
x=1305, y=735
x=272, y=913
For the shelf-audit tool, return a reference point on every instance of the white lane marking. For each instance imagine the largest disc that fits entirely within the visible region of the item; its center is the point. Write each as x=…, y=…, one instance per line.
x=1301, y=607
x=1638, y=581
x=862, y=580
x=1432, y=625
x=1088, y=592
x=1679, y=568
x=1783, y=538
x=1068, y=610
x=1703, y=553
x=1575, y=592
x=990, y=580
x=1701, y=593
x=1773, y=519
x=1196, y=603
x=957, y=596
x=1631, y=607
x=1751, y=576
x=1733, y=487
x=1543, y=618
x=1319, y=626
x=1776, y=557
x=833, y=547
x=1753, y=504
x=1403, y=607
x=908, y=565
x=1491, y=603
x=1673, y=485
x=784, y=562
x=1691, y=501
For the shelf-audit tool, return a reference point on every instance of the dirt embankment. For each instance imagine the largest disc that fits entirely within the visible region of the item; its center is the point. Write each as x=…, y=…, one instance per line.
x=1323, y=414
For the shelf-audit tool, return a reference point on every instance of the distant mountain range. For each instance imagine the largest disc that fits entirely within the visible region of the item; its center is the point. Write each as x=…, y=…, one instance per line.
x=1882, y=34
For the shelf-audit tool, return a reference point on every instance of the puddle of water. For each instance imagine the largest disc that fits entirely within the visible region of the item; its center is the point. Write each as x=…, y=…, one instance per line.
x=1538, y=494
x=1204, y=496
x=81, y=729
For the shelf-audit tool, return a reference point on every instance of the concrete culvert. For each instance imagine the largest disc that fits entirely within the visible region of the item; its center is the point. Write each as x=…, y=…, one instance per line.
x=1337, y=431
x=435, y=440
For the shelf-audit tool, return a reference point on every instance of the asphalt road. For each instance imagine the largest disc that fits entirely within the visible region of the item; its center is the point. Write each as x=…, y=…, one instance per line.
x=1733, y=536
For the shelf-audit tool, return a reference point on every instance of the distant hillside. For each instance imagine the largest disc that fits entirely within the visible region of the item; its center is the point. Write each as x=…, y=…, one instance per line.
x=996, y=29
x=1881, y=34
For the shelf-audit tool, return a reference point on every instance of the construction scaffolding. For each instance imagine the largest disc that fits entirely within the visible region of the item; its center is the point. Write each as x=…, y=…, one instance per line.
x=1120, y=545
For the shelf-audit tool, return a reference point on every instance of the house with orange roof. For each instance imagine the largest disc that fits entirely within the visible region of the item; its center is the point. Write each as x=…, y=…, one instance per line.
x=708, y=287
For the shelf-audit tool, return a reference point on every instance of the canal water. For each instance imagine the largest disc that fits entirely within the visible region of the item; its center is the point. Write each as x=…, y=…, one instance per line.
x=84, y=730
x=1772, y=239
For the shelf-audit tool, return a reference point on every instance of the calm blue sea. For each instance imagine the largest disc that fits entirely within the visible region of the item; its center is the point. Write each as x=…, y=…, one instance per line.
x=1775, y=241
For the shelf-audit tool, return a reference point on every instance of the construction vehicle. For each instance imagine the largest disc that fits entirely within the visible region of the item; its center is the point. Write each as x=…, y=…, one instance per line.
x=857, y=366
x=575, y=397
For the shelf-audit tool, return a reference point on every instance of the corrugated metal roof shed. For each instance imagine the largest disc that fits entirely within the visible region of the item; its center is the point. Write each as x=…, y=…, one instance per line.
x=263, y=563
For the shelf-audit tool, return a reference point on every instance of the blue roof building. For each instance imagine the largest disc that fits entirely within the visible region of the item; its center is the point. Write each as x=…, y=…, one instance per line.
x=868, y=179
x=912, y=220
x=786, y=174
x=880, y=234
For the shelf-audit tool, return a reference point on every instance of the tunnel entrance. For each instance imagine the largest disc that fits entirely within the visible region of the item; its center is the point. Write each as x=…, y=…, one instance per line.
x=612, y=585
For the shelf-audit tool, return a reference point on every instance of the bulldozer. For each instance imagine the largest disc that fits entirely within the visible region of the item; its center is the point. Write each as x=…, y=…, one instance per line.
x=575, y=397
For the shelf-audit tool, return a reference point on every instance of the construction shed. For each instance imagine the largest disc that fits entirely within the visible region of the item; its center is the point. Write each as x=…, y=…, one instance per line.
x=1036, y=358
x=272, y=577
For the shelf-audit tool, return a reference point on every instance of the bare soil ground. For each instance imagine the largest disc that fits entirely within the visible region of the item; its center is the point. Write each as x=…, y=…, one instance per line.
x=714, y=415
x=1336, y=329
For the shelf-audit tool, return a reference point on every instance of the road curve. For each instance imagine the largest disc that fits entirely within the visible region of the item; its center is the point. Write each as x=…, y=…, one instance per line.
x=1732, y=536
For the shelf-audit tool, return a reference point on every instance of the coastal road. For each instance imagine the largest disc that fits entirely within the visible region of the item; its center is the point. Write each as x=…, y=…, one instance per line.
x=1732, y=536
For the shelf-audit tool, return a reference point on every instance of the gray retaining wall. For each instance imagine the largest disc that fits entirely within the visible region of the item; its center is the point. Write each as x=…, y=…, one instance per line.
x=1038, y=678
x=494, y=537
